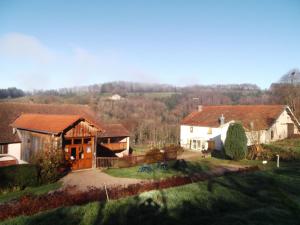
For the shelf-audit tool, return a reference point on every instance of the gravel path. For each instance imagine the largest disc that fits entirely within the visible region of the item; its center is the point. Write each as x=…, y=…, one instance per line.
x=94, y=178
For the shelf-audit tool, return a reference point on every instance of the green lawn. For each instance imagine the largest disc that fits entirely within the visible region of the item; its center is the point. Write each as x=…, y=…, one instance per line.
x=157, y=173
x=196, y=166
x=267, y=197
x=30, y=190
x=292, y=144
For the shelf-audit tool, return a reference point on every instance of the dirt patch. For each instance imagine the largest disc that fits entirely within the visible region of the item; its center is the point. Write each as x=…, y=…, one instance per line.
x=84, y=179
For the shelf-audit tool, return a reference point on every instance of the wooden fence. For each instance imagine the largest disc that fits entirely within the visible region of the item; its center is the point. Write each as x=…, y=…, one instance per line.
x=133, y=160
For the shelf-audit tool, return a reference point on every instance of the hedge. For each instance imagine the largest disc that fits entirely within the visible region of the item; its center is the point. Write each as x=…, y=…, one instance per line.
x=18, y=176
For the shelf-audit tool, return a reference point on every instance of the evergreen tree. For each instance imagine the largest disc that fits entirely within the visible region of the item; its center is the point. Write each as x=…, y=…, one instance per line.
x=236, y=142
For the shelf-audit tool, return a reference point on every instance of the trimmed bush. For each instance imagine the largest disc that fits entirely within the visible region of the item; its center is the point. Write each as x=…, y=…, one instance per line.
x=236, y=142
x=18, y=176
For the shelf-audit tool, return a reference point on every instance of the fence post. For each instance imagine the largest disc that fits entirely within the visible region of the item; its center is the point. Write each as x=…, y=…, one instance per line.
x=106, y=192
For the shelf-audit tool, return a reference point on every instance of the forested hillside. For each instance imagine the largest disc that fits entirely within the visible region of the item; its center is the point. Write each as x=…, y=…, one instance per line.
x=152, y=112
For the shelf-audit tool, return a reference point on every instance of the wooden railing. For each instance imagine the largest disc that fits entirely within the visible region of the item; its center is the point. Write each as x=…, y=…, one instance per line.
x=133, y=160
x=116, y=146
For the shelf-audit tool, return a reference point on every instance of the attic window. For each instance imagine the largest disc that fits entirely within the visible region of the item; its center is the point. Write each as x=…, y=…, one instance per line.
x=209, y=131
x=191, y=129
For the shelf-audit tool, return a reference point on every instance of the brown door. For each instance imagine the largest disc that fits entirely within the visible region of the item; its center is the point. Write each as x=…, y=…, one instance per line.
x=211, y=145
x=80, y=156
x=85, y=156
x=290, y=130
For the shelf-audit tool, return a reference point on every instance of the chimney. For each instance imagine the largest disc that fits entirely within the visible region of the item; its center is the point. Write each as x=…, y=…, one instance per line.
x=222, y=120
x=200, y=107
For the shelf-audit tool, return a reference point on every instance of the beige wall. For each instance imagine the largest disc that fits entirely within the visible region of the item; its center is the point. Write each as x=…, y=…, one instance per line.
x=279, y=129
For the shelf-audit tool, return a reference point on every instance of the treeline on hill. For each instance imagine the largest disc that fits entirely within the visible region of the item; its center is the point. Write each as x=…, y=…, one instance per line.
x=11, y=93
x=153, y=112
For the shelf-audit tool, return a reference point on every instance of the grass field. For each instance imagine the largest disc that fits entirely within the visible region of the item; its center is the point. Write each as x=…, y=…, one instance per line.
x=292, y=144
x=158, y=173
x=267, y=197
x=30, y=190
x=195, y=166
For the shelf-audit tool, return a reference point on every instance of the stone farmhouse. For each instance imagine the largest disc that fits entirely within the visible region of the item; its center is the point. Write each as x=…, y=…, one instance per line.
x=206, y=128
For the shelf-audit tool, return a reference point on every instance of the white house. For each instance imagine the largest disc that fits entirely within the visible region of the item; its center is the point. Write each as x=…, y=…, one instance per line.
x=206, y=128
x=115, y=97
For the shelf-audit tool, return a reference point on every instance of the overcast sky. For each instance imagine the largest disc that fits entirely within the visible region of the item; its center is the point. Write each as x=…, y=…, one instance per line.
x=54, y=44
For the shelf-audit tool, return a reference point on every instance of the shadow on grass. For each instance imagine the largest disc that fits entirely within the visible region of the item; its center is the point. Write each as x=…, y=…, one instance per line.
x=254, y=198
x=219, y=154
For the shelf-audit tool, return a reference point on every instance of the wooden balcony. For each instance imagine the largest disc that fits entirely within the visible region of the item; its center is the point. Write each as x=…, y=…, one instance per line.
x=115, y=146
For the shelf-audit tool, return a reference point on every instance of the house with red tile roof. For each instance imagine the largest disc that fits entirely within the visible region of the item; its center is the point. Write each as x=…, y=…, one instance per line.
x=206, y=128
x=26, y=129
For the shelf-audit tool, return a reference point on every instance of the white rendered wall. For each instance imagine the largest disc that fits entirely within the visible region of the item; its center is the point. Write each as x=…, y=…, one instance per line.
x=126, y=151
x=280, y=129
x=203, y=134
x=13, y=150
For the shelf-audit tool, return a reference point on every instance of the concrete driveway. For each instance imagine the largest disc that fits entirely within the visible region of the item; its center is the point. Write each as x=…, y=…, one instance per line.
x=94, y=178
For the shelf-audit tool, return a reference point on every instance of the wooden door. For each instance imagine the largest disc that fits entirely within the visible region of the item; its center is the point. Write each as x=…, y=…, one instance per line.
x=85, y=156
x=80, y=156
x=290, y=130
x=211, y=145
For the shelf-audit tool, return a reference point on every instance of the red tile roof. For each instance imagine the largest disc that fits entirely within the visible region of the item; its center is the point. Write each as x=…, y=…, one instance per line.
x=53, y=124
x=10, y=111
x=262, y=116
x=114, y=130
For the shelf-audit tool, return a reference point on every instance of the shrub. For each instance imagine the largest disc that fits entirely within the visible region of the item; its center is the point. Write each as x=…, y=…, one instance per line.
x=18, y=176
x=236, y=142
x=49, y=164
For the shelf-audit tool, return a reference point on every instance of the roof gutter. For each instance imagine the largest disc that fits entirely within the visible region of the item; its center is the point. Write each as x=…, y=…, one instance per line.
x=39, y=131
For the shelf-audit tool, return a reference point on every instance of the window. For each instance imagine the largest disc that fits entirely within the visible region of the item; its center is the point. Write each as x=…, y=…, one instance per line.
x=81, y=153
x=194, y=144
x=272, y=135
x=77, y=141
x=209, y=131
x=73, y=153
x=198, y=144
x=191, y=129
x=68, y=142
x=88, y=149
x=86, y=140
x=3, y=149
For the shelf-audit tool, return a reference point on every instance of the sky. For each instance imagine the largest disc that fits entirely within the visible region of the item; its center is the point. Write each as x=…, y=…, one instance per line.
x=55, y=44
